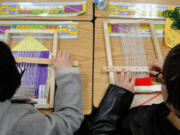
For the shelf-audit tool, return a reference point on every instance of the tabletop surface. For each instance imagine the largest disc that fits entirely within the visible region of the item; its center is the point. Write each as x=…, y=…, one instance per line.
x=88, y=15
x=105, y=13
x=81, y=50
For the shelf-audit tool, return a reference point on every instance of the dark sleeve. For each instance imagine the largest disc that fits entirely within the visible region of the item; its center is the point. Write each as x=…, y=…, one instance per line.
x=112, y=109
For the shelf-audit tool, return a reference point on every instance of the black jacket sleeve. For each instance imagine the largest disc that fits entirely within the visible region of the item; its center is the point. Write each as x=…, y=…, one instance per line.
x=112, y=109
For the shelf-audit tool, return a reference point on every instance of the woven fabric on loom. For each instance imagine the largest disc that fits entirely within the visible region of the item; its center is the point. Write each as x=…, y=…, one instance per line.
x=34, y=80
x=35, y=75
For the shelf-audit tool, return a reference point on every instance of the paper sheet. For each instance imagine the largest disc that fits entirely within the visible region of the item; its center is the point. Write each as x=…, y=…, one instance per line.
x=29, y=44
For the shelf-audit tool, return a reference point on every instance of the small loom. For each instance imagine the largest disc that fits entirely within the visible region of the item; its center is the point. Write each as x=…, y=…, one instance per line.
x=134, y=57
x=36, y=62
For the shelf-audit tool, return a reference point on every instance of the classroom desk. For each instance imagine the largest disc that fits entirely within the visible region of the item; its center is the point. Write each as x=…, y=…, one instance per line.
x=105, y=13
x=101, y=80
x=88, y=16
x=81, y=50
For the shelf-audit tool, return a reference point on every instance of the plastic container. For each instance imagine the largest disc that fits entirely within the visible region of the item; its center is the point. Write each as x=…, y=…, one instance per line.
x=101, y=4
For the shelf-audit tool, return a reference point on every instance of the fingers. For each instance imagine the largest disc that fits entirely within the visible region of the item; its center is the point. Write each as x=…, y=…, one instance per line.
x=63, y=60
x=156, y=64
x=125, y=80
x=116, y=78
x=132, y=82
x=122, y=75
x=127, y=76
x=151, y=72
x=67, y=55
x=151, y=67
x=70, y=57
x=64, y=54
x=59, y=53
x=155, y=67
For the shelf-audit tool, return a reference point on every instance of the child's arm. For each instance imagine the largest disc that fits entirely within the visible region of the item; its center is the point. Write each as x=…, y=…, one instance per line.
x=68, y=98
x=67, y=115
x=114, y=106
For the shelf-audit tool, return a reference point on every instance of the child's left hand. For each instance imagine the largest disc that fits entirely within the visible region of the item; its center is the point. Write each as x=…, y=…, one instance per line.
x=125, y=81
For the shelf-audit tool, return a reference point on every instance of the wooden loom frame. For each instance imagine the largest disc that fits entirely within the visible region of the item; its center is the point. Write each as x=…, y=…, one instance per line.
x=110, y=68
x=54, y=33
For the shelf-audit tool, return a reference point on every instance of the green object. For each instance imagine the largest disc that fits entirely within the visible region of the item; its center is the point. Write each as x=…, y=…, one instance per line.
x=32, y=26
x=41, y=27
x=175, y=16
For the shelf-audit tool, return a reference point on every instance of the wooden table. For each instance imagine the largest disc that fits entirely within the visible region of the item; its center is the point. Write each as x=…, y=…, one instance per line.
x=105, y=13
x=81, y=50
x=87, y=16
x=101, y=80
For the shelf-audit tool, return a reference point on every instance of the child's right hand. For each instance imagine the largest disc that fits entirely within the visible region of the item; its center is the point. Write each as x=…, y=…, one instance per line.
x=62, y=60
x=155, y=68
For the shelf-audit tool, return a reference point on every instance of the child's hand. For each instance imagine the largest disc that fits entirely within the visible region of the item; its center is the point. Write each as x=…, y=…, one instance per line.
x=125, y=81
x=155, y=68
x=62, y=60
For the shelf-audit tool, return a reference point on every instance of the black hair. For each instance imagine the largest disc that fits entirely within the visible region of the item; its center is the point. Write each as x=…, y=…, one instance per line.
x=10, y=77
x=171, y=76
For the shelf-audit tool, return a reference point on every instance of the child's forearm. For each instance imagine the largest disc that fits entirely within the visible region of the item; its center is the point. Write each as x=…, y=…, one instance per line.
x=112, y=109
x=68, y=97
